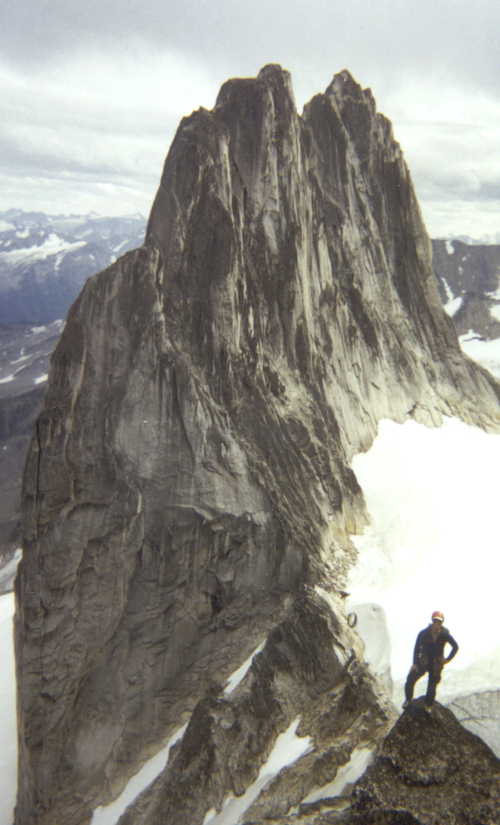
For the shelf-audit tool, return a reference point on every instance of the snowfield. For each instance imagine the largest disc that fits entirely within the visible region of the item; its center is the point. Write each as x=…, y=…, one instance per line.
x=110, y=814
x=486, y=353
x=432, y=496
x=50, y=246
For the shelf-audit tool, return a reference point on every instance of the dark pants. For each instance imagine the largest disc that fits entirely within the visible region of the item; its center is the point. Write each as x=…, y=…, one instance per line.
x=434, y=677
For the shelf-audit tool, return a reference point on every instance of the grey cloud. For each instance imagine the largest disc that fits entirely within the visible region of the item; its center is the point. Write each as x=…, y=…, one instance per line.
x=56, y=126
x=375, y=39
x=16, y=160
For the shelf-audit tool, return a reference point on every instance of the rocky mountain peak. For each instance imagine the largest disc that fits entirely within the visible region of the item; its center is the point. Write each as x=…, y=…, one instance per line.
x=271, y=79
x=344, y=86
x=188, y=495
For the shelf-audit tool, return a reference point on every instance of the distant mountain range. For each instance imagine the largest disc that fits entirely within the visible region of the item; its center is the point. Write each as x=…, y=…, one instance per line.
x=469, y=285
x=45, y=259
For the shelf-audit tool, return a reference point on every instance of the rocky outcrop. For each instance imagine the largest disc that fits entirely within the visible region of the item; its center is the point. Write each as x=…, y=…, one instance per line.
x=190, y=475
x=428, y=770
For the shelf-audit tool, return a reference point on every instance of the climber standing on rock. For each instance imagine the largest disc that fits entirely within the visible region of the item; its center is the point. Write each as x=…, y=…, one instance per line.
x=428, y=657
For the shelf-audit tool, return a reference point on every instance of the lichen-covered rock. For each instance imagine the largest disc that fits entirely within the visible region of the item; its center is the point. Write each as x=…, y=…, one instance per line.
x=435, y=769
x=190, y=473
x=429, y=770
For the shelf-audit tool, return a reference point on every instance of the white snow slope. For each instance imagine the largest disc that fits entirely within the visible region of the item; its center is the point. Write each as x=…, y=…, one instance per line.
x=287, y=749
x=486, y=353
x=432, y=544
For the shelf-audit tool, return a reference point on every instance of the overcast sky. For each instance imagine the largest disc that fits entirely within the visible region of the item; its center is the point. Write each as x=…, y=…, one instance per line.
x=92, y=91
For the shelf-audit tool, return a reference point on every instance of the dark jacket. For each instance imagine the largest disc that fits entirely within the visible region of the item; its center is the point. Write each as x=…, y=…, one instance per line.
x=429, y=650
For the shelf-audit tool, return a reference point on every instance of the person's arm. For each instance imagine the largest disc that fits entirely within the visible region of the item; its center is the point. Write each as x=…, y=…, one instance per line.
x=454, y=647
x=417, y=649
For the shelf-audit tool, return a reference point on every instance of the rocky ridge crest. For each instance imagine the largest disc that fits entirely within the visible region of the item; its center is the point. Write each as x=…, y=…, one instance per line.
x=427, y=771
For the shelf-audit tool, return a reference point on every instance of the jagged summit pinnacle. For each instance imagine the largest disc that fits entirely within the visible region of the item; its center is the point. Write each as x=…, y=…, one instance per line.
x=272, y=77
x=271, y=71
x=344, y=87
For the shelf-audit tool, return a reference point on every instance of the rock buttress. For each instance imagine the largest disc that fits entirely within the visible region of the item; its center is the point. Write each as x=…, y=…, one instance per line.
x=189, y=473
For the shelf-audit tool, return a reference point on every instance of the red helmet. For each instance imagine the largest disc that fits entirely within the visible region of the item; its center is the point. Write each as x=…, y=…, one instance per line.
x=437, y=616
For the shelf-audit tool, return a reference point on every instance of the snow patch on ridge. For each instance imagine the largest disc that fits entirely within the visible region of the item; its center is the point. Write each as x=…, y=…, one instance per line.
x=449, y=293
x=451, y=307
x=239, y=674
x=346, y=775
x=110, y=814
x=288, y=747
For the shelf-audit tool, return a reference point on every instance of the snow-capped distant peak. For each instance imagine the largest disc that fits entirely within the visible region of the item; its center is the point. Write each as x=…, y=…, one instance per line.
x=52, y=245
x=45, y=259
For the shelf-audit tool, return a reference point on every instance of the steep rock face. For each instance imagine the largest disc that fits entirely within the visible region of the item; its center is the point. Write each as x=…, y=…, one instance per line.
x=17, y=415
x=190, y=472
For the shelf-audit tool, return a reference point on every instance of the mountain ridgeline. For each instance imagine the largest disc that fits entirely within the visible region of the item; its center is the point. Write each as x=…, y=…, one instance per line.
x=45, y=259
x=188, y=495
x=469, y=284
